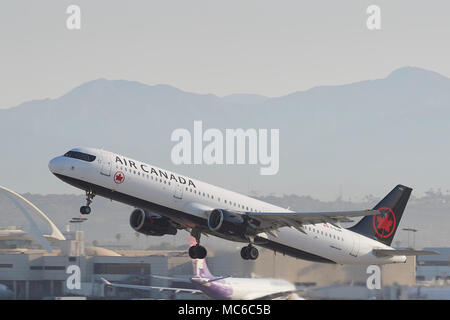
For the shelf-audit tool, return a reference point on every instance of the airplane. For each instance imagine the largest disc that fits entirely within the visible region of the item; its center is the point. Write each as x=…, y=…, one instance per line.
x=224, y=288
x=166, y=202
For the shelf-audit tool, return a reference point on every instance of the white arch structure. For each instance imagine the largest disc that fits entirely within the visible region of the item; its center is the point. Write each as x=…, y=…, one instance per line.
x=55, y=233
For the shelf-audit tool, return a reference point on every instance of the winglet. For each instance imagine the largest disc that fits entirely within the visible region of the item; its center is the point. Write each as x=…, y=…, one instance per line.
x=106, y=282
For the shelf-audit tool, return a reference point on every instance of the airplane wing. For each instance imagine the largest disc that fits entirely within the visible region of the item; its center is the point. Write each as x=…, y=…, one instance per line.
x=267, y=221
x=149, y=288
x=187, y=280
x=403, y=252
x=184, y=280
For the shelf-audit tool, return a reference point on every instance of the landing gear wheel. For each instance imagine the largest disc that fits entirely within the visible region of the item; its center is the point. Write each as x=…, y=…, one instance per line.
x=253, y=253
x=201, y=252
x=192, y=253
x=85, y=210
x=197, y=252
x=249, y=253
x=244, y=253
x=89, y=196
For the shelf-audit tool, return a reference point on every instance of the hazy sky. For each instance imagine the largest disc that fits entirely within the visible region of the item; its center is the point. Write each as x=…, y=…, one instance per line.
x=222, y=47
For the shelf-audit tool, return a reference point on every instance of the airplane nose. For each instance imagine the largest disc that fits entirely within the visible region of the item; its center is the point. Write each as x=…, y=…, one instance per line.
x=56, y=165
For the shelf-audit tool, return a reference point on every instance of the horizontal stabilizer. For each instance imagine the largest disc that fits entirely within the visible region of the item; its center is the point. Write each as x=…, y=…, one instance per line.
x=403, y=252
x=218, y=278
x=269, y=221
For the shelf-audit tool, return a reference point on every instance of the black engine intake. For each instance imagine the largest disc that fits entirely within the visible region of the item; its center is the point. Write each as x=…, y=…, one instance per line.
x=151, y=224
x=227, y=222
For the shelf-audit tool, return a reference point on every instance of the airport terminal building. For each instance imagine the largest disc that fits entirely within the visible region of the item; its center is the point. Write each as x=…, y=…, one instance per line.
x=36, y=274
x=37, y=266
x=436, y=267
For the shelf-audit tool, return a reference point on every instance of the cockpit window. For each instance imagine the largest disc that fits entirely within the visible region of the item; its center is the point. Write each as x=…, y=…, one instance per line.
x=80, y=156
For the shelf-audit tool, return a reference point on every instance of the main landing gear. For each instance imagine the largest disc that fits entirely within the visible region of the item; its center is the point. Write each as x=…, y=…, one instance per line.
x=249, y=252
x=197, y=251
x=89, y=196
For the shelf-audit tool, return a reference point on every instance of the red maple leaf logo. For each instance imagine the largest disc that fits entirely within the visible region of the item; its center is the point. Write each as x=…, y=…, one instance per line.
x=384, y=223
x=119, y=177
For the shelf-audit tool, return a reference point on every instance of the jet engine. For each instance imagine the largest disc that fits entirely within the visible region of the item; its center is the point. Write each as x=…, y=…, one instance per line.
x=151, y=224
x=227, y=222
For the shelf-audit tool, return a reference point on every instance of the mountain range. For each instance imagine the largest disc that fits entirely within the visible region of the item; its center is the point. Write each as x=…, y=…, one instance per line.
x=353, y=139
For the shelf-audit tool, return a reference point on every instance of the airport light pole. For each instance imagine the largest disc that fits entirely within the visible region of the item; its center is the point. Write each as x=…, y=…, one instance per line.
x=78, y=221
x=414, y=235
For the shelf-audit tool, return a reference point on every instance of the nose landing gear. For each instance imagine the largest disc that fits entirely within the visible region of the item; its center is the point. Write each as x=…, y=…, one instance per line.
x=85, y=210
x=89, y=196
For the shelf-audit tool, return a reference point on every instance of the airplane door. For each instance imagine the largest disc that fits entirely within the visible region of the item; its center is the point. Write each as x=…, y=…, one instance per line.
x=105, y=163
x=355, y=249
x=178, y=192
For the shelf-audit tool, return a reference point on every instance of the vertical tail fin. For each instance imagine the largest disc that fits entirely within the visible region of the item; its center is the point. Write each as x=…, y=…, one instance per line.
x=382, y=227
x=200, y=268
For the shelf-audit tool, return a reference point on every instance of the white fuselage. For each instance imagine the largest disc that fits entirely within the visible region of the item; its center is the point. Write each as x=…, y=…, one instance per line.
x=248, y=289
x=139, y=183
x=244, y=288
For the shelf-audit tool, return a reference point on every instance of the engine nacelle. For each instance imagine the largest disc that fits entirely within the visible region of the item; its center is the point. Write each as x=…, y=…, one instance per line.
x=227, y=222
x=151, y=224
